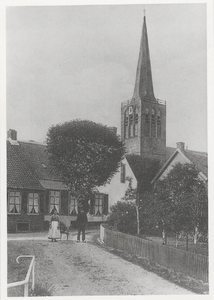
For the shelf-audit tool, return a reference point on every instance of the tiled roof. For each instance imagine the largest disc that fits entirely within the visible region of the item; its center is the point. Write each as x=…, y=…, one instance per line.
x=18, y=173
x=37, y=159
x=28, y=166
x=199, y=159
x=169, y=152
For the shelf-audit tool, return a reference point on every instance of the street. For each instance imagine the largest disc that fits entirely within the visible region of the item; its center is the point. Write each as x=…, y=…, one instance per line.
x=73, y=268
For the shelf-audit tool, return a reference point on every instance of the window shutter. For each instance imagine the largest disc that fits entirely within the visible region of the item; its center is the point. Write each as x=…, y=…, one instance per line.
x=91, y=210
x=64, y=202
x=123, y=173
x=47, y=202
x=105, y=204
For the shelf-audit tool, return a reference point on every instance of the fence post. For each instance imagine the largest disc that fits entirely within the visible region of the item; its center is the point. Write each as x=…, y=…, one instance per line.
x=33, y=276
x=26, y=290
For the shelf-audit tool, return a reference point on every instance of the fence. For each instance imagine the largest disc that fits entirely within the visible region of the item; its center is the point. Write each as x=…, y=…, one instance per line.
x=191, y=264
x=25, y=282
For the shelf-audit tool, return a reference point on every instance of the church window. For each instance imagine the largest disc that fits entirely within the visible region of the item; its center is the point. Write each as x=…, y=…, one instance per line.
x=153, y=124
x=131, y=122
x=136, y=122
x=158, y=125
x=126, y=125
x=131, y=125
x=147, y=122
x=33, y=203
x=14, y=202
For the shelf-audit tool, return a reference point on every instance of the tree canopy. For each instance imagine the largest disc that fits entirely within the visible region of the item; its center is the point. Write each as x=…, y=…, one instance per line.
x=144, y=171
x=84, y=154
x=180, y=200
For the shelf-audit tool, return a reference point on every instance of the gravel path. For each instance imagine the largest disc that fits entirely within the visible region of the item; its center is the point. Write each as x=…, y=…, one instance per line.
x=87, y=269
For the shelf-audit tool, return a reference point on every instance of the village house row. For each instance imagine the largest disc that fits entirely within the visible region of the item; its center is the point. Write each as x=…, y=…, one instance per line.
x=34, y=191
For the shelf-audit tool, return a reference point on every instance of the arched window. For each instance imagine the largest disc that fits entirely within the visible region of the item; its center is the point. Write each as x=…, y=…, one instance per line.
x=153, y=124
x=159, y=125
x=136, y=121
x=131, y=122
x=126, y=124
x=147, y=122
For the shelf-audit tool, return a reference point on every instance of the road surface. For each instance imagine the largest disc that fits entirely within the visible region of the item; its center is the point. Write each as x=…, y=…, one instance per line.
x=73, y=268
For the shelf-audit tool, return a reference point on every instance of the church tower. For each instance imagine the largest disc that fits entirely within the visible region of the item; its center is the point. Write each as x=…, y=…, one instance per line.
x=143, y=118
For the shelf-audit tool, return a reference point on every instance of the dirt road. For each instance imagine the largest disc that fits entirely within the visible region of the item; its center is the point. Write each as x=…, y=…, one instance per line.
x=87, y=269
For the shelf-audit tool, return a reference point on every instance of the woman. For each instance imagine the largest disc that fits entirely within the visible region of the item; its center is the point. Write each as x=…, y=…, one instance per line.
x=54, y=229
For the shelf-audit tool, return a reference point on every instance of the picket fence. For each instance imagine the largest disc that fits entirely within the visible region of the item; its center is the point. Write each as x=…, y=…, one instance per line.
x=189, y=263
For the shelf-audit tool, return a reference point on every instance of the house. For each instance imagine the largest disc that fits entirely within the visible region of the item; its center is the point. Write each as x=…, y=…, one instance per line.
x=184, y=156
x=33, y=191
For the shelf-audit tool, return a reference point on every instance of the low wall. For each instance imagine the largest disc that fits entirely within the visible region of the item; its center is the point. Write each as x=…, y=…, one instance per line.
x=191, y=264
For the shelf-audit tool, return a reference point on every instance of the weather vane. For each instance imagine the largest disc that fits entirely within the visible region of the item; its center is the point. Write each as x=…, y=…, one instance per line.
x=144, y=11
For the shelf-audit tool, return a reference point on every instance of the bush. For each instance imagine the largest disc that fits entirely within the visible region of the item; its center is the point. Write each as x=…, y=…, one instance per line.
x=123, y=217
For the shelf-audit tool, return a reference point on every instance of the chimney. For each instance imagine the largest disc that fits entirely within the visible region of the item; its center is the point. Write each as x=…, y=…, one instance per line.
x=181, y=146
x=12, y=134
x=113, y=129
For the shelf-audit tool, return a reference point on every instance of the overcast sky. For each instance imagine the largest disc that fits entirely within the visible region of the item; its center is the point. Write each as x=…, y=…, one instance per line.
x=73, y=62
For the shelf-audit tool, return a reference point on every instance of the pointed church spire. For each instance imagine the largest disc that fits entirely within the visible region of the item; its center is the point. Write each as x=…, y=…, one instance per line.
x=143, y=83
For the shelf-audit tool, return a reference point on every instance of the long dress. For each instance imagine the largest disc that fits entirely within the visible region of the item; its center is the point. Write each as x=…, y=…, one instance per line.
x=54, y=231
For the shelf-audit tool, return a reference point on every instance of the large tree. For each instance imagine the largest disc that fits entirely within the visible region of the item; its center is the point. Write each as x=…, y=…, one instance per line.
x=181, y=202
x=84, y=155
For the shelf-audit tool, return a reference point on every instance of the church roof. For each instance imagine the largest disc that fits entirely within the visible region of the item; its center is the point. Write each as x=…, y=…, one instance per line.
x=143, y=82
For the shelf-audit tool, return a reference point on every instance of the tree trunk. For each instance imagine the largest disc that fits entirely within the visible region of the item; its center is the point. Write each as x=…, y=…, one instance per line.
x=176, y=240
x=164, y=236
x=138, y=220
x=195, y=235
x=187, y=242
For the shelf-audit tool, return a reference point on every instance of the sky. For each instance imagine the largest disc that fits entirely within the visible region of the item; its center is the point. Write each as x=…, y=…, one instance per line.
x=79, y=62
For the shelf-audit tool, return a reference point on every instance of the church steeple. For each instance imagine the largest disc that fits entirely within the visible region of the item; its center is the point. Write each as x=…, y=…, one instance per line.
x=143, y=118
x=143, y=83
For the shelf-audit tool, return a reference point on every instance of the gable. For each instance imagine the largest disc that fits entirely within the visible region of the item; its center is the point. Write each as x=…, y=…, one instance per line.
x=199, y=159
x=177, y=158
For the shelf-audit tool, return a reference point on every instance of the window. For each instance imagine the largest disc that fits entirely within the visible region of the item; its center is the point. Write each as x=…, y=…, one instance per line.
x=14, y=203
x=23, y=227
x=158, y=125
x=131, y=125
x=98, y=205
x=33, y=203
x=131, y=122
x=136, y=122
x=123, y=173
x=147, y=122
x=54, y=201
x=153, y=125
x=73, y=206
x=126, y=125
